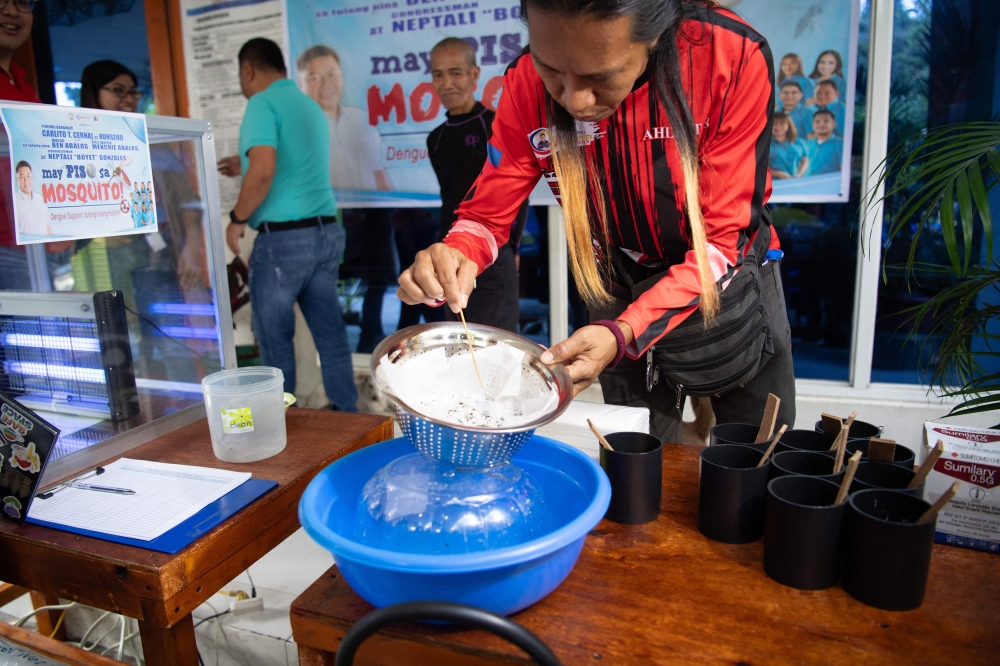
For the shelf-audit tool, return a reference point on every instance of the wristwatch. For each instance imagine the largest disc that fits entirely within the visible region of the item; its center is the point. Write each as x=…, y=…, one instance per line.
x=234, y=219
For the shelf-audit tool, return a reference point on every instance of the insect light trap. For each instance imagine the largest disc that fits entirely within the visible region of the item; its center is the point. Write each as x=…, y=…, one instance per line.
x=68, y=352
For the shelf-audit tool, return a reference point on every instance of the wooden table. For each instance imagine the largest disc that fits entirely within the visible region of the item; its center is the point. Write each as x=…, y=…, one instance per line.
x=662, y=593
x=161, y=590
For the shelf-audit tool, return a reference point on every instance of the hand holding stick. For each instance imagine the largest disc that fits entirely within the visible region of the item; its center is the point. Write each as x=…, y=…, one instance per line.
x=774, y=443
x=468, y=339
x=845, y=485
x=931, y=513
x=927, y=465
x=600, y=437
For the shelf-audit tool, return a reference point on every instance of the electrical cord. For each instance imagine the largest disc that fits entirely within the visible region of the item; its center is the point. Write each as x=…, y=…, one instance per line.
x=93, y=626
x=211, y=617
x=253, y=590
x=24, y=618
x=55, y=629
x=210, y=366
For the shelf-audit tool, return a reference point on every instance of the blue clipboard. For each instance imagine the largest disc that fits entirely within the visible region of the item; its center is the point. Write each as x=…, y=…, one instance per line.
x=181, y=536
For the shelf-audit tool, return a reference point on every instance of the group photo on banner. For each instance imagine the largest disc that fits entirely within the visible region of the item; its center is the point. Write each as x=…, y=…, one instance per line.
x=368, y=66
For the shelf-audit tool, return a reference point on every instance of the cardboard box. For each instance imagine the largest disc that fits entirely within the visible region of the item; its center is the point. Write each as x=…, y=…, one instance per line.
x=972, y=456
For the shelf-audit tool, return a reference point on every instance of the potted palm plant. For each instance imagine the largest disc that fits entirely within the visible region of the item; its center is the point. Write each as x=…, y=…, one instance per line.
x=940, y=181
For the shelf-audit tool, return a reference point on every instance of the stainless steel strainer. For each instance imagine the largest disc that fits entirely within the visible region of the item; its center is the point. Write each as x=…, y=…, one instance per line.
x=469, y=446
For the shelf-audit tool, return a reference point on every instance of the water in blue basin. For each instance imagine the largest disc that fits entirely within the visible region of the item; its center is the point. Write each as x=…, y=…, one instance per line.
x=500, y=578
x=418, y=504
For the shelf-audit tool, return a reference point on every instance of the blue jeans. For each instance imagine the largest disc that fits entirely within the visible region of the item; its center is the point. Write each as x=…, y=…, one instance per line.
x=302, y=265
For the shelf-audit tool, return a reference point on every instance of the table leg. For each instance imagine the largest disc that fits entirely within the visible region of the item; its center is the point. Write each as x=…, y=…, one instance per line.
x=48, y=620
x=312, y=657
x=169, y=647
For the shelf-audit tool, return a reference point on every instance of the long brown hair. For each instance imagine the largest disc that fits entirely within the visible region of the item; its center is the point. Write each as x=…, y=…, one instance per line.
x=657, y=20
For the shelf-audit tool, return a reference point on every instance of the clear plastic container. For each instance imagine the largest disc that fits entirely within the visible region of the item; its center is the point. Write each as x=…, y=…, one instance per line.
x=418, y=504
x=246, y=413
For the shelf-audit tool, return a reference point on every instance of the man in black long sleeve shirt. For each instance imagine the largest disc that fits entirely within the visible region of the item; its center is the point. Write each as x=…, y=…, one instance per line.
x=458, y=152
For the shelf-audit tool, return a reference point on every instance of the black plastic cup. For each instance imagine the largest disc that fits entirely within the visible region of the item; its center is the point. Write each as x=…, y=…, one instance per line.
x=805, y=463
x=887, y=554
x=732, y=493
x=735, y=433
x=635, y=469
x=805, y=440
x=802, y=532
x=885, y=476
x=859, y=430
x=901, y=456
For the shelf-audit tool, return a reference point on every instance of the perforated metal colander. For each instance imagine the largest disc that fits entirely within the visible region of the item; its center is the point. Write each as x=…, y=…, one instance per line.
x=469, y=446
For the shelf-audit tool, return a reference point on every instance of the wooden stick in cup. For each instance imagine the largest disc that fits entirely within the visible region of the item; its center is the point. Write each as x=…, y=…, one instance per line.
x=600, y=437
x=468, y=340
x=831, y=424
x=770, y=417
x=845, y=485
x=927, y=465
x=844, y=431
x=838, y=463
x=931, y=513
x=774, y=443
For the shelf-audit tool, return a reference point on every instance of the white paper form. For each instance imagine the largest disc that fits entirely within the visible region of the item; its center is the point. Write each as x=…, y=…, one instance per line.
x=165, y=496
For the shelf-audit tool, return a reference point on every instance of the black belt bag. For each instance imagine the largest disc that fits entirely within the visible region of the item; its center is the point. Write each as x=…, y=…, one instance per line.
x=700, y=359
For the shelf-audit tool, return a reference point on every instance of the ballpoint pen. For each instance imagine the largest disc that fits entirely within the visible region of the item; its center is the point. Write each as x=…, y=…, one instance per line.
x=103, y=489
x=49, y=493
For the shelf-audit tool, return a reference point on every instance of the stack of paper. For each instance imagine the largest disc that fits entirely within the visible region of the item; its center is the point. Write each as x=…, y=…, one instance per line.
x=571, y=427
x=164, y=496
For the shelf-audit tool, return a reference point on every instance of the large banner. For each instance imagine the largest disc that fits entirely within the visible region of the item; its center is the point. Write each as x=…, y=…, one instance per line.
x=376, y=86
x=78, y=174
x=368, y=65
x=815, y=45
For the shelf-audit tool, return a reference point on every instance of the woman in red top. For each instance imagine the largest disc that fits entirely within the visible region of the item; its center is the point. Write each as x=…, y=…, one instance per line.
x=650, y=120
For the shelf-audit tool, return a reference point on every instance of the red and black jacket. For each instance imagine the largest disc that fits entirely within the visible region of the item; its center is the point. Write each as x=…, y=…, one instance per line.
x=727, y=73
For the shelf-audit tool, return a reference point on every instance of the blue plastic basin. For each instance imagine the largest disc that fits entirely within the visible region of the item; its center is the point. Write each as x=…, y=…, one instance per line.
x=504, y=580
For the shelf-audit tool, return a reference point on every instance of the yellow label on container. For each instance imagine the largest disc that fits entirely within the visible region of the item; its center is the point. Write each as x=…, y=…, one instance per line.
x=237, y=420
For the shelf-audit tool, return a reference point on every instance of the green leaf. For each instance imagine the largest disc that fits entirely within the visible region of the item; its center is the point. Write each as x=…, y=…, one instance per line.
x=979, y=193
x=967, y=214
x=948, y=229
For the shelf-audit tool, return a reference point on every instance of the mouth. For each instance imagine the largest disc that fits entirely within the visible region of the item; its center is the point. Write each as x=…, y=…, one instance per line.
x=10, y=28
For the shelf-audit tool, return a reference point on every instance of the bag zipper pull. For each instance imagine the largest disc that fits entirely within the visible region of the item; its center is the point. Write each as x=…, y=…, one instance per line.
x=652, y=372
x=680, y=387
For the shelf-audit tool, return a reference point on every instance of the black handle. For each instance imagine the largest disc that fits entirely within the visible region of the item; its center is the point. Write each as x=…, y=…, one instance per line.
x=442, y=611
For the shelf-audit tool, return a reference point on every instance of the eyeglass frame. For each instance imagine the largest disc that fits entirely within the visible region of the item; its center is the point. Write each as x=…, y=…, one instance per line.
x=120, y=93
x=17, y=5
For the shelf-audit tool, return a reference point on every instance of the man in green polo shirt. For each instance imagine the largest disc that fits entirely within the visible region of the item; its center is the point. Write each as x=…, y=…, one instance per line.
x=286, y=197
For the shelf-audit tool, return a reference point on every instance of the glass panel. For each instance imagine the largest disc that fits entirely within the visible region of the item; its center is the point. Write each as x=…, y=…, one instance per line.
x=944, y=61
x=821, y=253
x=165, y=282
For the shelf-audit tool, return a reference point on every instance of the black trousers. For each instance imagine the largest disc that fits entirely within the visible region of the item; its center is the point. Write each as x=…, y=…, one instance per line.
x=626, y=384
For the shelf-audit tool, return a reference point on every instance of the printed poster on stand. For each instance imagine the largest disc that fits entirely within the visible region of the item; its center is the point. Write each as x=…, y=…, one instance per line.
x=377, y=93
x=78, y=173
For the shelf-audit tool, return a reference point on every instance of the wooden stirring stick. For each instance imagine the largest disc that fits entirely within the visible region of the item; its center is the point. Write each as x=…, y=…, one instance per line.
x=838, y=463
x=468, y=340
x=831, y=424
x=845, y=485
x=770, y=417
x=600, y=437
x=927, y=465
x=845, y=429
x=774, y=443
x=931, y=513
